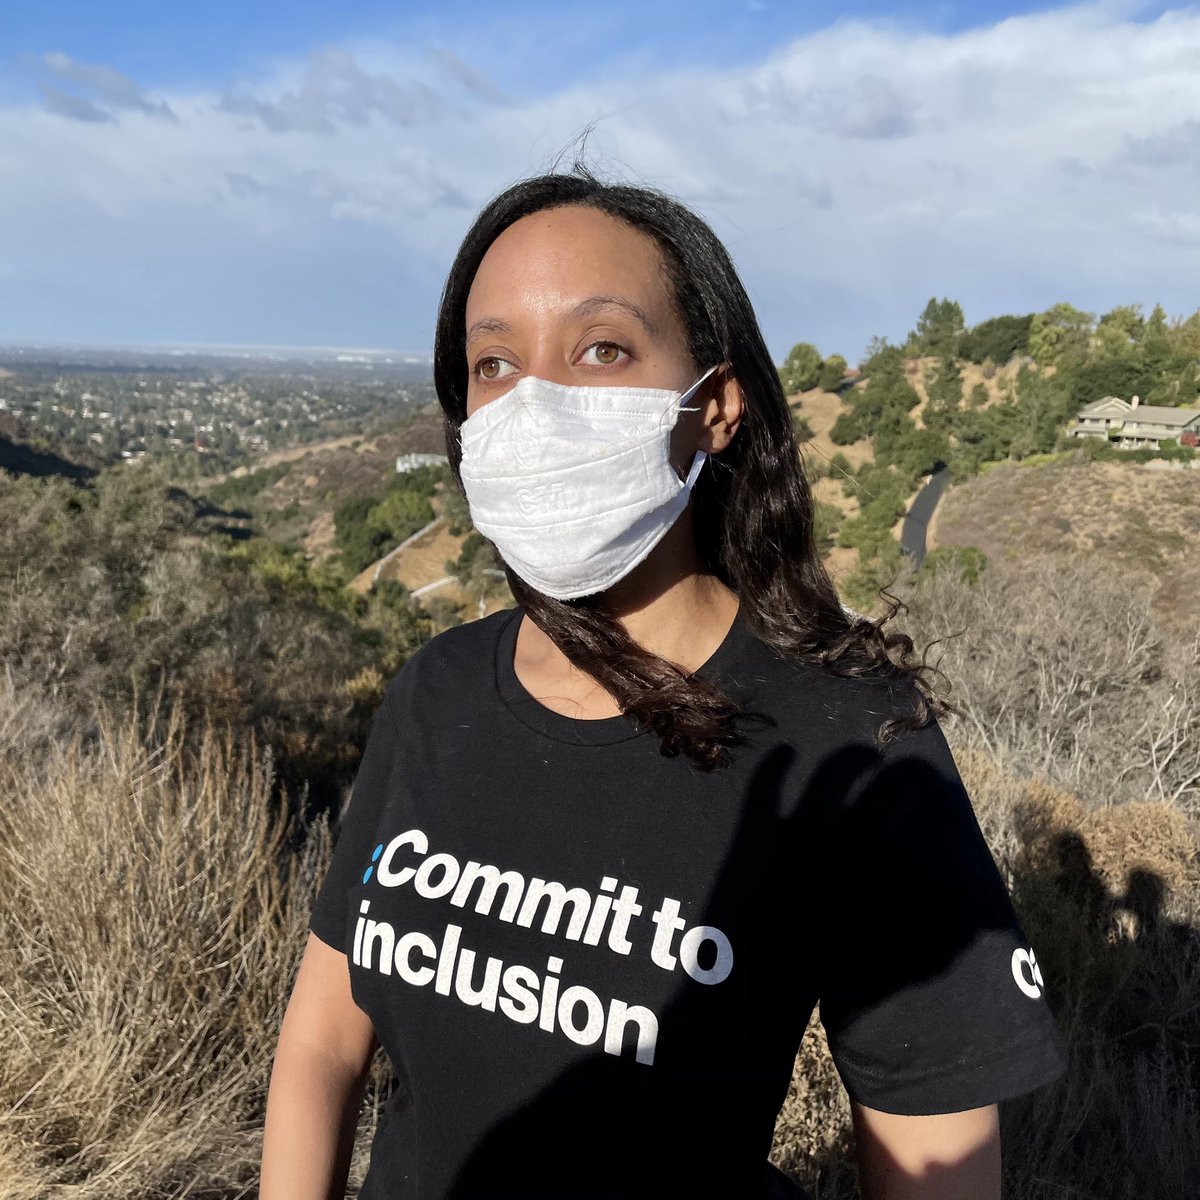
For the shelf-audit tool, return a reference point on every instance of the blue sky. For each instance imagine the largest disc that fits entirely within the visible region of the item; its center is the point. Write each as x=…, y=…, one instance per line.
x=301, y=173
x=172, y=45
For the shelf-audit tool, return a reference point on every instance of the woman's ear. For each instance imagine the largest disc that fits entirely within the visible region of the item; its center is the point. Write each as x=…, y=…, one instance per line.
x=723, y=413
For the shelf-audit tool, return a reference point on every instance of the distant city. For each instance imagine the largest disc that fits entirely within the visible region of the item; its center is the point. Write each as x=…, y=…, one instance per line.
x=139, y=352
x=217, y=405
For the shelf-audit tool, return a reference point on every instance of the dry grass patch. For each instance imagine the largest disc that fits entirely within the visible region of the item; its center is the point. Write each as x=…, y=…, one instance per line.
x=997, y=381
x=318, y=541
x=418, y=564
x=822, y=409
x=1139, y=523
x=153, y=908
x=425, y=560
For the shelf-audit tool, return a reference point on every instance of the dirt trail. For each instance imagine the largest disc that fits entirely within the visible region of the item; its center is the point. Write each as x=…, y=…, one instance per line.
x=291, y=454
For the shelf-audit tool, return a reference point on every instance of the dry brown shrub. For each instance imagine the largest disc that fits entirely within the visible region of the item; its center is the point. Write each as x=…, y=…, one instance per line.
x=813, y=1134
x=366, y=688
x=1143, y=835
x=1032, y=813
x=153, y=909
x=1060, y=668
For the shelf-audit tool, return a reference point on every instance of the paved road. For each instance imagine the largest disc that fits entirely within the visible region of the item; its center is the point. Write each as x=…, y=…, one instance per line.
x=916, y=520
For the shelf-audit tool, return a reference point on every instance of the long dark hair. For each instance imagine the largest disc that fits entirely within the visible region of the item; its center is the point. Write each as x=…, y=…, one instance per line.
x=752, y=510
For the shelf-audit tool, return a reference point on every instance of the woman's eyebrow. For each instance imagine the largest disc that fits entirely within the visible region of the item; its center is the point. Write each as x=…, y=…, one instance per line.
x=592, y=306
x=596, y=304
x=488, y=325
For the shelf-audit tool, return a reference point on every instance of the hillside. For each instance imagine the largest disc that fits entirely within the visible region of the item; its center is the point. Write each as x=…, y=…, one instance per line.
x=821, y=409
x=300, y=490
x=27, y=450
x=997, y=382
x=1143, y=522
x=297, y=505
x=419, y=564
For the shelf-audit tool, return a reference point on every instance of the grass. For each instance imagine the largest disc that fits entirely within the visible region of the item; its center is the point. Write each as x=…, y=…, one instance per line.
x=153, y=906
x=1141, y=523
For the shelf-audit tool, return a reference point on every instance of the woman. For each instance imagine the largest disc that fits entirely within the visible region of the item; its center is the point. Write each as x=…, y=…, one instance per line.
x=608, y=848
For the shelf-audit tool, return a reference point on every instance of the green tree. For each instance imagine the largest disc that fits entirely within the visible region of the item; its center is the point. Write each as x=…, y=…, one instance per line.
x=1119, y=376
x=881, y=354
x=456, y=511
x=1060, y=336
x=944, y=388
x=801, y=369
x=400, y=514
x=1184, y=337
x=359, y=541
x=478, y=571
x=965, y=562
x=847, y=428
x=882, y=495
x=874, y=572
x=833, y=371
x=879, y=409
x=1043, y=406
x=939, y=327
x=1157, y=325
x=920, y=453
x=839, y=466
x=997, y=338
x=826, y=519
x=891, y=431
x=1120, y=331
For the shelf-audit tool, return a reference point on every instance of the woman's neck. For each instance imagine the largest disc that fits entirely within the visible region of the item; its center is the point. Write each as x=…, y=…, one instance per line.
x=670, y=604
x=684, y=625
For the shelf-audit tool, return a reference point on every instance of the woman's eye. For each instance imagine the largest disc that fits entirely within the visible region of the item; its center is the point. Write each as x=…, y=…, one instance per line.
x=606, y=353
x=492, y=368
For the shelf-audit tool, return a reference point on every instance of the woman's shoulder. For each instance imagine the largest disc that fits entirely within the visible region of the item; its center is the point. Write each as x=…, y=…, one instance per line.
x=832, y=702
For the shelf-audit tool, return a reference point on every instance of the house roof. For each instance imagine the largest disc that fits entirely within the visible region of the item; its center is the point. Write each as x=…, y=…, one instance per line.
x=1162, y=414
x=1158, y=414
x=1106, y=402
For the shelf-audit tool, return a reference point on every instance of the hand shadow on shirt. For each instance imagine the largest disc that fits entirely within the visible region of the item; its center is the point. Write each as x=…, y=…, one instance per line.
x=825, y=851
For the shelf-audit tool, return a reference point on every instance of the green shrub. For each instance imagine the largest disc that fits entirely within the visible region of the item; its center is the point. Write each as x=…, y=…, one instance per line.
x=826, y=520
x=965, y=562
x=237, y=489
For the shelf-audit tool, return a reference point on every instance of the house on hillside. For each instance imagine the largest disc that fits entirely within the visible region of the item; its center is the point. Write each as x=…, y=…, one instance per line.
x=410, y=462
x=1131, y=425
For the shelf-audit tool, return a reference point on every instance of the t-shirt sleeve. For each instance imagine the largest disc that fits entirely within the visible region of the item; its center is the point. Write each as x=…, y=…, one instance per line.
x=353, y=845
x=931, y=994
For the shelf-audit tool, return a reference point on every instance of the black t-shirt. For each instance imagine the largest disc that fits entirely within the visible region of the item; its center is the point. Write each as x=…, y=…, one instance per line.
x=592, y=964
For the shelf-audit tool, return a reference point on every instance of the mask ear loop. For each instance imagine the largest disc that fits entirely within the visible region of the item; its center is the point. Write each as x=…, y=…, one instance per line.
x=676, y=407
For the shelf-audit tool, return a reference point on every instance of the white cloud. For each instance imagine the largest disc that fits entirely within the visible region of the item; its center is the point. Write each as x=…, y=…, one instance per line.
x=853, y=173
x=110, y=90
x=336, y=93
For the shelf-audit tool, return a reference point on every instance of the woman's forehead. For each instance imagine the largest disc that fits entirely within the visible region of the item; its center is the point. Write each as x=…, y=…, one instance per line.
x=547, y=264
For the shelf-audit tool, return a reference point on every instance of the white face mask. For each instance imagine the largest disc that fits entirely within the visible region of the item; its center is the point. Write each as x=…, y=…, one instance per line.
x=574, y=485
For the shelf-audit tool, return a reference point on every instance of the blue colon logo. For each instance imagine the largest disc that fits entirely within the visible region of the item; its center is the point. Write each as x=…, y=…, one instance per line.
x=374, y=859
